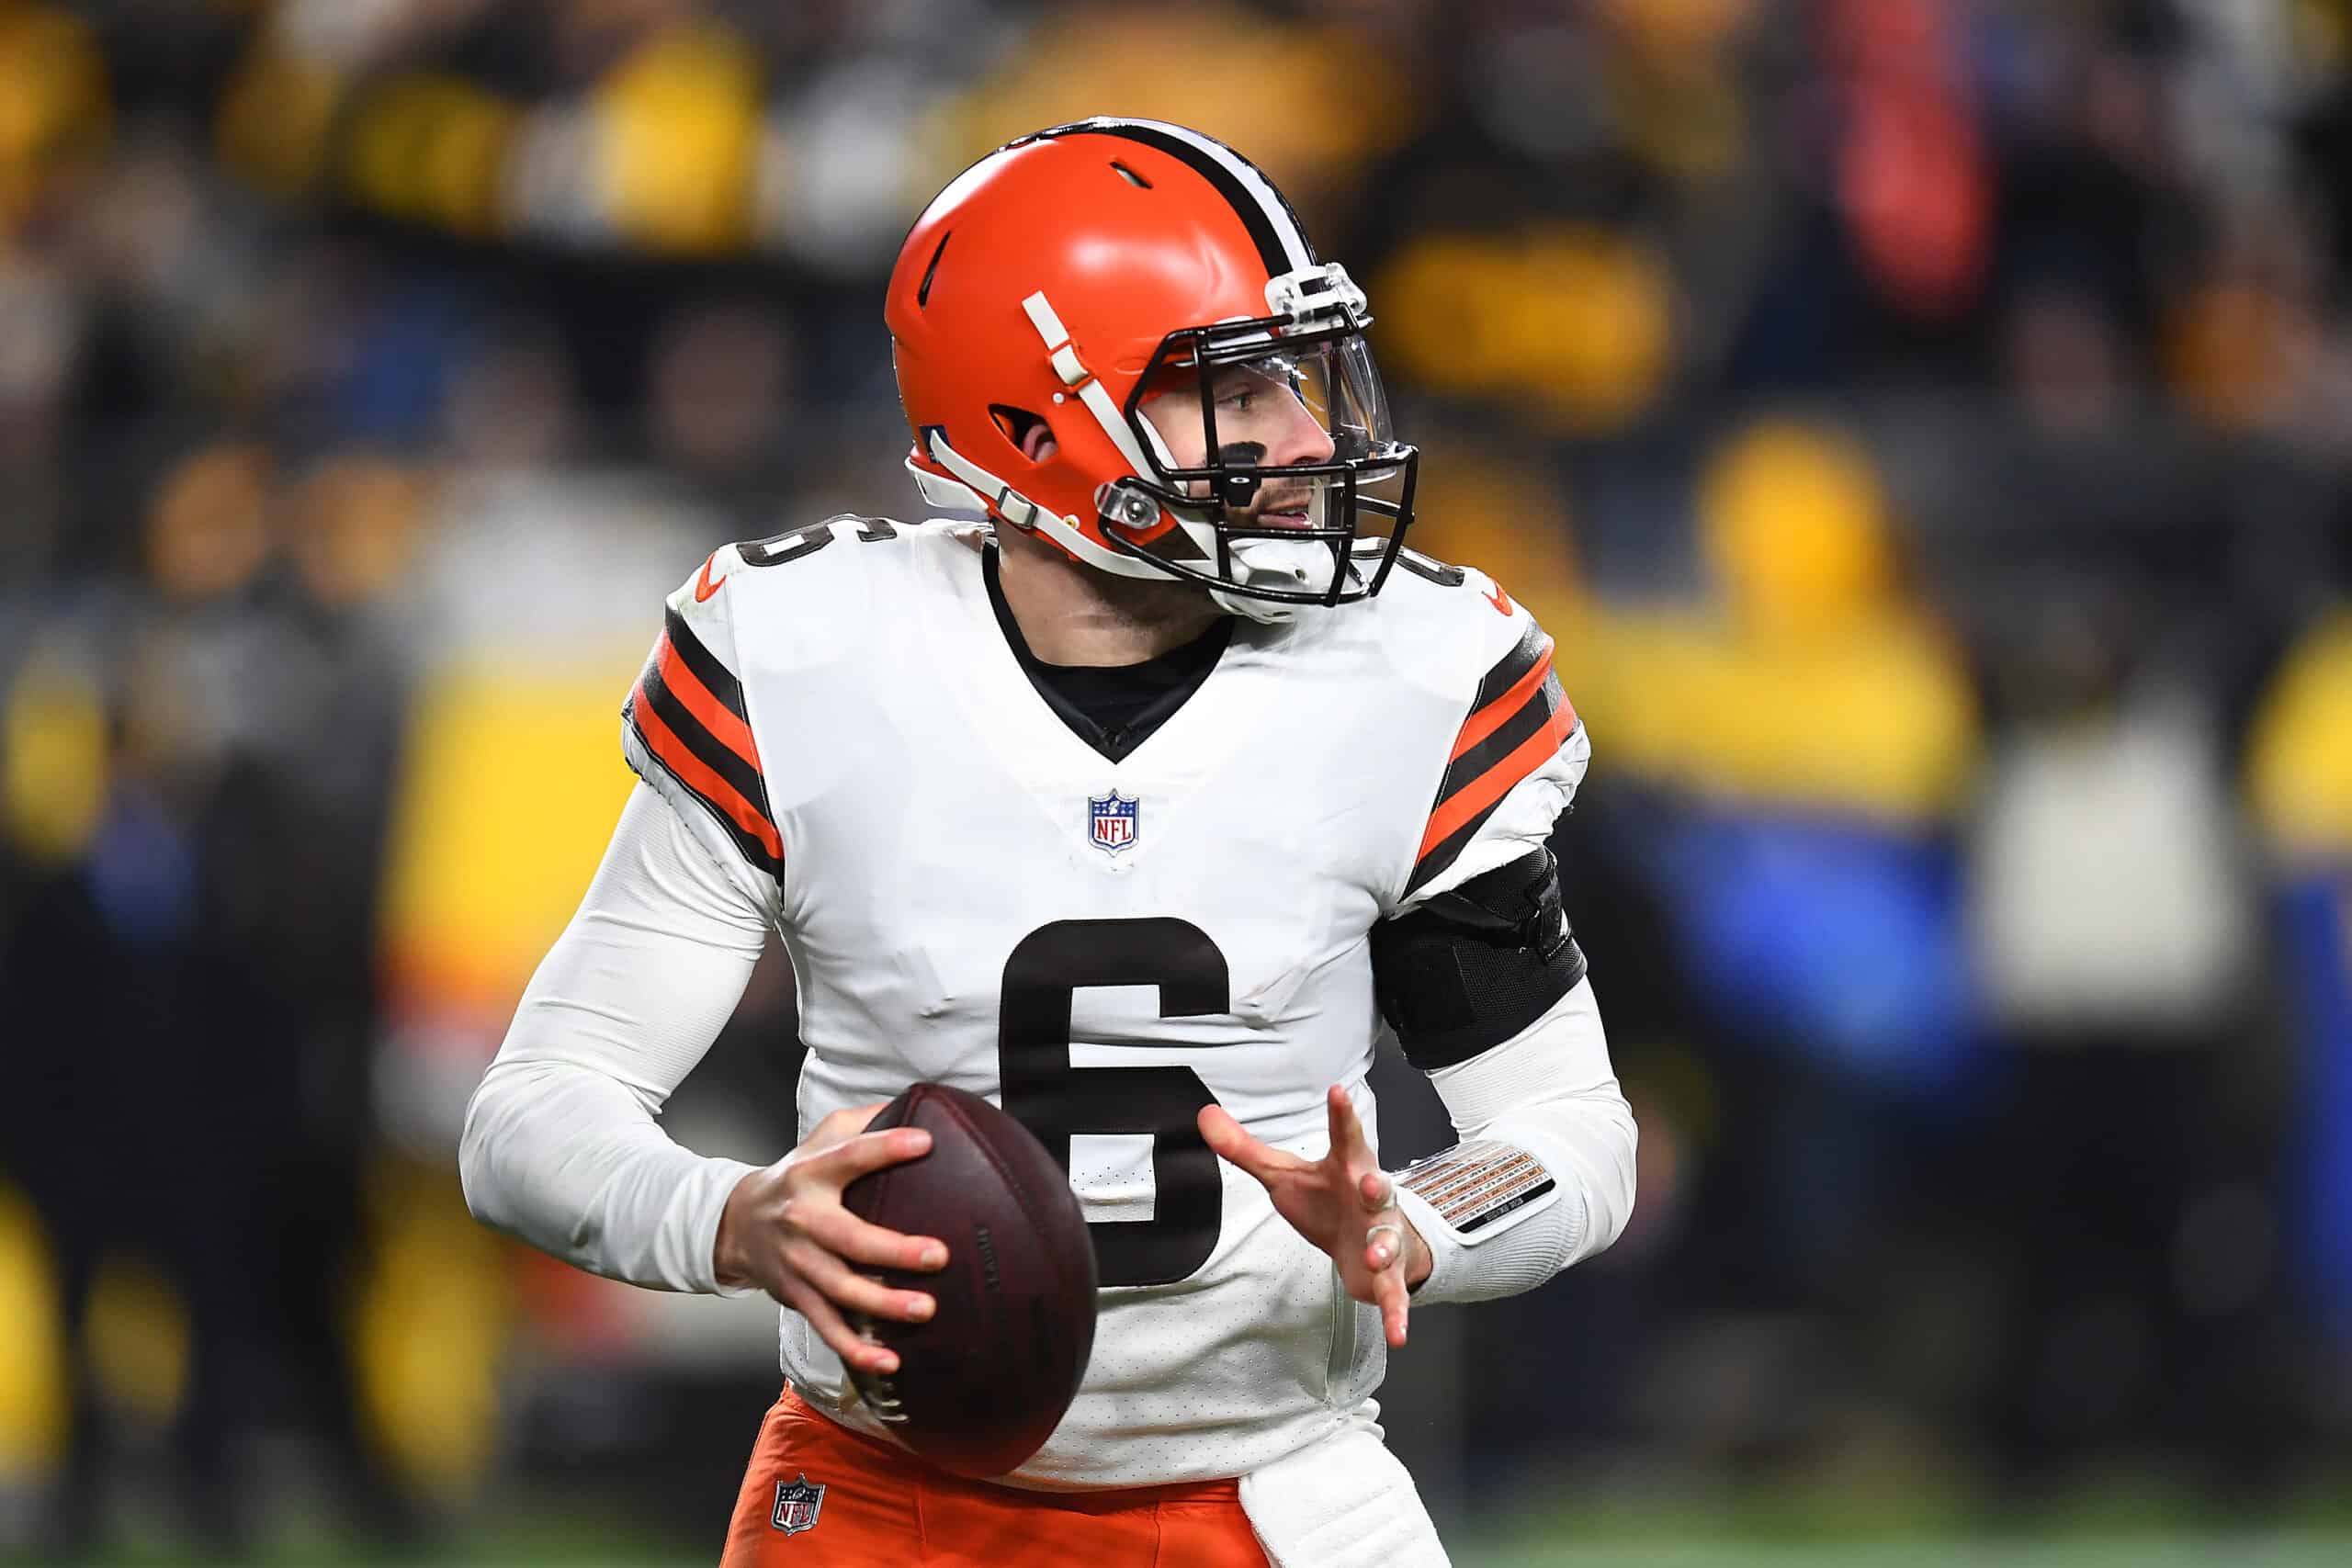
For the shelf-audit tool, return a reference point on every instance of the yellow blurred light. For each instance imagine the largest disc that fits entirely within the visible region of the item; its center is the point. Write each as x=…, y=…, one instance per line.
x=512, y=782
x=276, y=118
x=1602, y=334
x=1868, y=711
x=1811, y=684
x=1576, y=320
x=679, y=128
x=53, y=764
x=1177, y=63
x=33, y=1415
x=1878, y=720
x=55, y=100
x=429, y=1323
x=2323, y=35
x=2299, y=768
x=137, y=1333
x=1675, y=89
x=1794, y=524
x=431, y=149
x=1434, y=317
x=1678, y=27
x=1691, y=125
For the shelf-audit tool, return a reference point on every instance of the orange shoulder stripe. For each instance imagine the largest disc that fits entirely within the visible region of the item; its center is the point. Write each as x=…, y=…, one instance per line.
x=1491, y=786
x=717, y=717
x=697, y=775
x=1491, y=717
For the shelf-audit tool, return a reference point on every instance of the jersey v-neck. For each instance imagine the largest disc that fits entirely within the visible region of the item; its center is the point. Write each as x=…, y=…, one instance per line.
x=1112, y=707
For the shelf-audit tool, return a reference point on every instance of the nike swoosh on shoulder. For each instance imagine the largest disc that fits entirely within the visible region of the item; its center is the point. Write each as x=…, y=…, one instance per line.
x=703, y=586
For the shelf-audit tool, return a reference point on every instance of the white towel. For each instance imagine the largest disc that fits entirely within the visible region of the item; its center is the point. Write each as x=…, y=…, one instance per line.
x=1343, y=1501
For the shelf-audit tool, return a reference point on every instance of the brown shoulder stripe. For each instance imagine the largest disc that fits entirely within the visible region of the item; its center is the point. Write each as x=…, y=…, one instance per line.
x=1512, y=667
x=716, y=677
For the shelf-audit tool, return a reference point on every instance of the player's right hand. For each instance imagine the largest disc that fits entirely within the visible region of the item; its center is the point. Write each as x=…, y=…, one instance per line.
x=785, y=1230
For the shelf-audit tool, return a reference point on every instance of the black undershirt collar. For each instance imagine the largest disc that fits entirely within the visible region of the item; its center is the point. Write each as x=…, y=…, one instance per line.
x=1112, y=707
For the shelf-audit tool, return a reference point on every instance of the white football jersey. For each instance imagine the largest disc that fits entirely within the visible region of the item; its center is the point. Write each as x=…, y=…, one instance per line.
x=972, y=893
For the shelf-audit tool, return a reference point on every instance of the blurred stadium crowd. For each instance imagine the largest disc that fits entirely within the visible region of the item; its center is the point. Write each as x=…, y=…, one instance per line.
x=1925, y=425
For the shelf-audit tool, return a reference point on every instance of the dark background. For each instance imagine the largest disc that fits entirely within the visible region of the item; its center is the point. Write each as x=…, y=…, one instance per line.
x=1925, y=424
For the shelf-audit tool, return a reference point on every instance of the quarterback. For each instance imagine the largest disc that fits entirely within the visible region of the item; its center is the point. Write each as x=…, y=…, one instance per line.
x=1140, y=800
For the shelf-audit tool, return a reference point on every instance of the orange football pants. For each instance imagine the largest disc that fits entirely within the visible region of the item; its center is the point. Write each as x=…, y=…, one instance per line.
x=882, y=1508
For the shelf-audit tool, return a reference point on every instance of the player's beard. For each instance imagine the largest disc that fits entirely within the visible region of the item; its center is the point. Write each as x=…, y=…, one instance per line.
x=1144, y=604
x=1147, y=604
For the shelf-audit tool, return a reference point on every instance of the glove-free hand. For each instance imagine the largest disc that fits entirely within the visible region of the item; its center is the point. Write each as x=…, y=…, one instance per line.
x=1344, y=1203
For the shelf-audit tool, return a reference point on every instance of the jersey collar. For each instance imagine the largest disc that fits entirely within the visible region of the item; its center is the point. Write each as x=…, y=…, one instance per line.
x=1113, y=708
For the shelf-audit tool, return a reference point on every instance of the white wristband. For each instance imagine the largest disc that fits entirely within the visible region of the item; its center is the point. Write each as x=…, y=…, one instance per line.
x=1465, y=1198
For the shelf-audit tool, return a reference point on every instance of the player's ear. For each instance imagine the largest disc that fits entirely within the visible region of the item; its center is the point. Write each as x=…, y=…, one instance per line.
x=1027, y=431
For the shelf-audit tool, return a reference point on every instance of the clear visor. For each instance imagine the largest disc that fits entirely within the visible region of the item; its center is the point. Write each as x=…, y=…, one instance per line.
x=1257, y=404
x=1274, y=446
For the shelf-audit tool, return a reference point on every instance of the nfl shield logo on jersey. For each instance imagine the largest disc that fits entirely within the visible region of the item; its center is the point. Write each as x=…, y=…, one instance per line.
x=797, y=1503
x=1113, y=815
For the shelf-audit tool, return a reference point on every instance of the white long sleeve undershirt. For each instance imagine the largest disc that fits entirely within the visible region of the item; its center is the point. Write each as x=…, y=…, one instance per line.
x=1549, y=1091
x=561, y=1146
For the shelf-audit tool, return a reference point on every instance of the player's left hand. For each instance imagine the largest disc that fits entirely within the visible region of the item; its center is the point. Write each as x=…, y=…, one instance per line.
x=1343, y=1202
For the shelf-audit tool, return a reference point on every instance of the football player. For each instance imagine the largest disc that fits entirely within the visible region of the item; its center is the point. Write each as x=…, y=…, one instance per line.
x=1141, y=803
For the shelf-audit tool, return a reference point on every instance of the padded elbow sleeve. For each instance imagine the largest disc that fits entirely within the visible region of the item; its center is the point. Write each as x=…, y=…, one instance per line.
x=1475, y=965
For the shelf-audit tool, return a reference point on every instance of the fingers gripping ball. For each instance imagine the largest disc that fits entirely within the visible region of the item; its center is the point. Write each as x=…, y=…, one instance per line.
x=984, y=1381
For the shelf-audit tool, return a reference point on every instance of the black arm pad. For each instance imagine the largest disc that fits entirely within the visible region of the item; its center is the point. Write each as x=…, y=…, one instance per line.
x=1473, y=967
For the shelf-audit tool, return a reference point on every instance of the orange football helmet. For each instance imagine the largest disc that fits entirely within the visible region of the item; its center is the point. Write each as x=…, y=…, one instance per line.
x=1072, y=274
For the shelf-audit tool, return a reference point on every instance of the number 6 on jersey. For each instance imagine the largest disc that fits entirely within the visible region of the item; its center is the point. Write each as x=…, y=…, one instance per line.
x=1055, y=1099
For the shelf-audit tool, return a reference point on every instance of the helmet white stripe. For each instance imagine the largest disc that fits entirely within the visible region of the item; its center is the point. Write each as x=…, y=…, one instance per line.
x=1245, y=174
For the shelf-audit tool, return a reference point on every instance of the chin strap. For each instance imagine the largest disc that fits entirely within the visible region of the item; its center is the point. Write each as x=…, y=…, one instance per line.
x=1279, y=563
x=1063, y=355
x=973, y=487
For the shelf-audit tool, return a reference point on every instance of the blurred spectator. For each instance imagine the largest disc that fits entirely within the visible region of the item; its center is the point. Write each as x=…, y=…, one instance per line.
x=211, y=1114
x=42, y=323
x=1926, y=426
x=718, y=385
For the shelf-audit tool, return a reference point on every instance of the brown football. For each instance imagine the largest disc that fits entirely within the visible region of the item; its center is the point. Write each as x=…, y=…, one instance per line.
x=982, y=1384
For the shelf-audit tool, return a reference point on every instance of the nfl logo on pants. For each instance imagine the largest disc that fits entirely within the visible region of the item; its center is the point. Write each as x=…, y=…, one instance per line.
x=1113, y=819
x=797, y=1503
